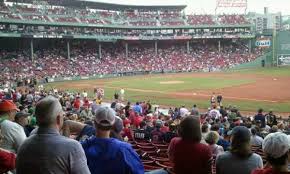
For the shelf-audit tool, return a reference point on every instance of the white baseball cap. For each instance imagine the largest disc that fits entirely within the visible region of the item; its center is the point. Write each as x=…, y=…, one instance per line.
x=276, y=144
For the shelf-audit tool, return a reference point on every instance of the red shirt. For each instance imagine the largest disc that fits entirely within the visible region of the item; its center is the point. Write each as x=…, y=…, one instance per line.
x=86, y=103
x=137, y=120
x=127, y=132
x=164, y=129
x=267, y=171
x=7, y=161
x=77, y=104
x=14, y=96
x=189, y=157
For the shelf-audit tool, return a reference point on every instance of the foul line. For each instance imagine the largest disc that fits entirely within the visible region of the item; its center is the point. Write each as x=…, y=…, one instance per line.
x=191, y=94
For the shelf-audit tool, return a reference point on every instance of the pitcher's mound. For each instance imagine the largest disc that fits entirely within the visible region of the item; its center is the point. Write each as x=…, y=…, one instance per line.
x=171, y=82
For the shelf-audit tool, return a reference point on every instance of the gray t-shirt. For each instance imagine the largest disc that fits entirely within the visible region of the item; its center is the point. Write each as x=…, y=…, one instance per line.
x=47, y=152
x=228, y=163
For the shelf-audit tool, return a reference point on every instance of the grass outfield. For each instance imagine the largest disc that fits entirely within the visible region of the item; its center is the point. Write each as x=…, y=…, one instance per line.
x=176, y=90
x=277, y=71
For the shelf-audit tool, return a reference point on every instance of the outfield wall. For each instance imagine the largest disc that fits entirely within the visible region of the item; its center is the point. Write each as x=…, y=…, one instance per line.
x=282, y=55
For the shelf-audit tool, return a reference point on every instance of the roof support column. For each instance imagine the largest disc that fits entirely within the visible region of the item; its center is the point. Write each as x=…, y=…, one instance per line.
x=31, y=50
x=187, y=46
x=68, y=49
x=250, y=46
x=126, y=47
x=156, y=47
x=100, y=51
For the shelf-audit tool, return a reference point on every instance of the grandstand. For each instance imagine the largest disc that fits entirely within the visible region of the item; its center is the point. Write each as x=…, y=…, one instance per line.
x=178, y=61
x=38, y=26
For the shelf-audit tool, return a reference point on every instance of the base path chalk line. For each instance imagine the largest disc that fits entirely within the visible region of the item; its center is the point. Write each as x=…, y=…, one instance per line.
x=192, y=94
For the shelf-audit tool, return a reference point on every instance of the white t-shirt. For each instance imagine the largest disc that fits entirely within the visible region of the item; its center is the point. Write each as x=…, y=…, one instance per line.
x=29, y=98
x=256, y=140
x=214, y=113
x=183, y=112
x=85, y=94
x=13, y=136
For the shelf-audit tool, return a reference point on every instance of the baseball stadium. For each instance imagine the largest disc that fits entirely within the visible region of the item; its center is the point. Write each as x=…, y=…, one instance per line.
x=158, y=64
x=196, y=56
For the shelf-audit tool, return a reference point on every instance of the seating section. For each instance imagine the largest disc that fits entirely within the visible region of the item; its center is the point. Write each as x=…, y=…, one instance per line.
x=92, y=21
x=65, y=19
x=170, y=15
x=153, y=156
x=133, y=18
x=143, y=23
x=85, y=61
x=172, y=23
x=36, y=17
x=200, y=20
x=56, y=11
x=26, y=9
x=233, y=19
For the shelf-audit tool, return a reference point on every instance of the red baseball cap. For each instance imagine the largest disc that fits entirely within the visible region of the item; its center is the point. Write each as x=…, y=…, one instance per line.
x=7, y=105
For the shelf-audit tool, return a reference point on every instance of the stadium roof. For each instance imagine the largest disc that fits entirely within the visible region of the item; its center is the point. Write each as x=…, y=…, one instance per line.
x=114, y=6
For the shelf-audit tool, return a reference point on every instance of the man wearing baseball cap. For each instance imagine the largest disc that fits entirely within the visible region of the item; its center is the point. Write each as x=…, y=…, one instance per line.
x=276, y=147
x=13, y=134
x=109, y=155
x=22, y=119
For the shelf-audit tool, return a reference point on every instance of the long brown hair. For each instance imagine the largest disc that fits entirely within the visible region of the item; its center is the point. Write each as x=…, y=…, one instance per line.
x=189, y=129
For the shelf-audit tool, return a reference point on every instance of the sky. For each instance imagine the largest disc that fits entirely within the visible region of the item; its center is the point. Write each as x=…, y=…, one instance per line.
x=208, y=6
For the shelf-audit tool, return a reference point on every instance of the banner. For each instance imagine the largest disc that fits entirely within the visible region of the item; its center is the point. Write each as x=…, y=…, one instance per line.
x=232, y=3
x=67, y=78
x=263, y=43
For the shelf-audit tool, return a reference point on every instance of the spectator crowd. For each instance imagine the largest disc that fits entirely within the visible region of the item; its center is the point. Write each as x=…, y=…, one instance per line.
x=71, y=133
x=85, y=61
x=149, y=17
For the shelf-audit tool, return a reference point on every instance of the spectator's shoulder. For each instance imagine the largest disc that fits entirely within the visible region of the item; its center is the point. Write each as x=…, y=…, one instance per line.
x=122, y=144
x=85, y=143
x=175, y=140
x=256, y=156
x=9, y=125
x=204, y=147
x=70, y=144
x=224, y=156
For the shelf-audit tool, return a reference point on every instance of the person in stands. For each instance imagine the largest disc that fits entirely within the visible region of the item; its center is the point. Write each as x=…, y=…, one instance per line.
x=137, y=108
x=260, y=117
x=140, y=133
x=186, y=150
x=86, y=113
x=256, y=140
x=108, y=155
x=240, y=159
x=157, y=136
x=211, y=139
x=22, y=119
x=276, y=147
x=13, y=134
x=47, y=151
x=7, y=160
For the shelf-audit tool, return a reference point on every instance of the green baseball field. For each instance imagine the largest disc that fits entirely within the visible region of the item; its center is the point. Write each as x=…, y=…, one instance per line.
x=267, y=88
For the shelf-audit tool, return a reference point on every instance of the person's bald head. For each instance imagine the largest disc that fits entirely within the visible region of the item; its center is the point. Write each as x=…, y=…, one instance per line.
x=49, y=112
